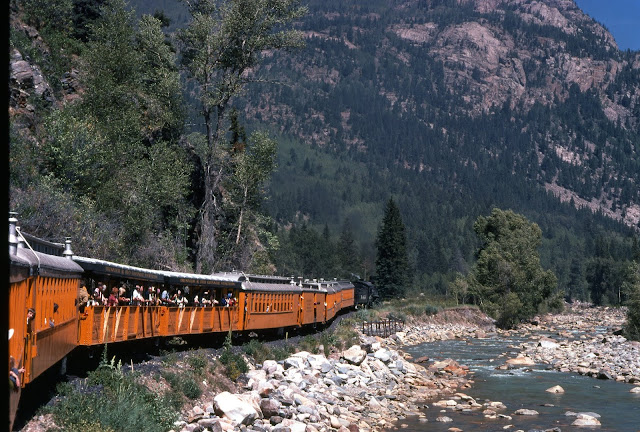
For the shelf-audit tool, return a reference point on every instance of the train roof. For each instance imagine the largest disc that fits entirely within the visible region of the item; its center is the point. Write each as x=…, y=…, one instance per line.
x=27, y=263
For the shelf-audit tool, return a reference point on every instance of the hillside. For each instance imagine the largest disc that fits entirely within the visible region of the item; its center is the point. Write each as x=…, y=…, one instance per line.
x=452, y=107
x=534, y=88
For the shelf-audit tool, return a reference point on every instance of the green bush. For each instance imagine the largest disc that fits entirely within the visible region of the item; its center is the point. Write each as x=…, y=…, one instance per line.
x=328, y=339
x=234, y=363
x=281, y=353
x=259, y=351
x=431, y=310
x=198, y=363
x=310, y=344
x=108, y=400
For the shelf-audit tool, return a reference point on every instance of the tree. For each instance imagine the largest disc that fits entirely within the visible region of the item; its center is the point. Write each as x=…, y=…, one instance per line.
x=507, y=280
x=392, y=263
x=116, y=148
x=220, y=47
x=632, y=326
x=347, y=251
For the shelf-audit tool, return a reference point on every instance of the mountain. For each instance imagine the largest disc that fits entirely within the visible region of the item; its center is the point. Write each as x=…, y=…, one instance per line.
x=536, y=88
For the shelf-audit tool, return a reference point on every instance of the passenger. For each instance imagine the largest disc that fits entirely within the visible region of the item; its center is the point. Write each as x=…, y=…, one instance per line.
x=15, y=372
x=31, y=314
x=223, y=301
x=51, y=320
x=123, y=300
x=105, y=294
x=152, y=299
x=205, y=300
x=196, y=300
x=179, y=299
x=165, y=299
x=113, y=297
x=137, y=298
x=83, y=298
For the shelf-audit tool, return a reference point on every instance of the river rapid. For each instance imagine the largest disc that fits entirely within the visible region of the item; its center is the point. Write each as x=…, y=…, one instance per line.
x=524, y=387
x=569, y=350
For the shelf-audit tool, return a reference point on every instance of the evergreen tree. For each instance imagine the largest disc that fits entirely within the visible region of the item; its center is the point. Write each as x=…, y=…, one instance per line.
x=347, y=252
x=392, y=263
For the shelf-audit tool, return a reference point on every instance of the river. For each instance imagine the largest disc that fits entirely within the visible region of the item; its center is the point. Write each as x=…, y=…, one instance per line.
x=524, y=388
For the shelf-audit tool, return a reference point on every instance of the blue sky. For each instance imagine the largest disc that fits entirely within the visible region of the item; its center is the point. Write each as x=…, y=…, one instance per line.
x=621, y=17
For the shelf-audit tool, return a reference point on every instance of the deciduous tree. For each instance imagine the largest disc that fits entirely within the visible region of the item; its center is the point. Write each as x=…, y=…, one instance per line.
x=219, y=48
x=507, y=280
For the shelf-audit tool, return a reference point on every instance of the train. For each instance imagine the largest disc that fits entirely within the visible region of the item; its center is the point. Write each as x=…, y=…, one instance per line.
x=48, y=317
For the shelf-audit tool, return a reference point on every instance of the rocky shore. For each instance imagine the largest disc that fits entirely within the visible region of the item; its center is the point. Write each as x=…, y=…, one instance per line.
x=584, y=340
x=368, y=387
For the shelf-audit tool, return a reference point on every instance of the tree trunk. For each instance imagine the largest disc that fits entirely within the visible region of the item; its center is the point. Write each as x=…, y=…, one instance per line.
x=244, y=202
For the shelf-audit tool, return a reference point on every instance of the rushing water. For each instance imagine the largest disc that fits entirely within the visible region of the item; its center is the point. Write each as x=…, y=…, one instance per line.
x=525, y=388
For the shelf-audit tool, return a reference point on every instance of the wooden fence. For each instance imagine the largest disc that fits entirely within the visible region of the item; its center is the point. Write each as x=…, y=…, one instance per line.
x=382, y=328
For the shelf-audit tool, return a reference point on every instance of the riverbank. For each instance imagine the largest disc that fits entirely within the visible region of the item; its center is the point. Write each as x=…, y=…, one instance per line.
x=584, y=340
x=368, y=387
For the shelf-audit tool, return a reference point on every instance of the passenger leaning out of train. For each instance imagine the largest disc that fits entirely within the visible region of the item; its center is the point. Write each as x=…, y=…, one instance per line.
x=179, y=299
x=151, y=297
x=136, y=298
x=83, y=298
x=123, y=300
x=165, y=299
x=113, y=297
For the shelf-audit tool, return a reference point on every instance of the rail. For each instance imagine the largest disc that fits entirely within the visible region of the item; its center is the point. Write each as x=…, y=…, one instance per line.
x=383, y=328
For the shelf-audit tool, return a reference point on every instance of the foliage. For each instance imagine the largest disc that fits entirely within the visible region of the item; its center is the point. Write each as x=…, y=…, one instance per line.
x=392, y=268
x=632, y=326
x=219, y=47
x=234, y=362
x=109, y=400
x=507, y=280
x=259, y=351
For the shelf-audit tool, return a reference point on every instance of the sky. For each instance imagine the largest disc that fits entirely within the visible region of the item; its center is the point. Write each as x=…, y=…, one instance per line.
x=620, y=17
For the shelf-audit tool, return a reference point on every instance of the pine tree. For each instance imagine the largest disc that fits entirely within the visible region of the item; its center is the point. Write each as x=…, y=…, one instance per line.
x=392, y=263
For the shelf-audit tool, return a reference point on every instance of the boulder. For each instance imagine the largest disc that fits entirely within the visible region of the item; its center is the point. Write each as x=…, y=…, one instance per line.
x=526, y=412
x=235, y=409
x=585, y=420
x=521, y=361
x=354, y=355
x=555, y=389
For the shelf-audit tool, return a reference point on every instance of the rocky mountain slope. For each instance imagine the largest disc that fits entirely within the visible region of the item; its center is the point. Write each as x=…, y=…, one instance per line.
x=557, y=77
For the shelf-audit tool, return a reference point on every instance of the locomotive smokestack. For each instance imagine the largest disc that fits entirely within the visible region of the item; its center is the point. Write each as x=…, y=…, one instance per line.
x=67, y=248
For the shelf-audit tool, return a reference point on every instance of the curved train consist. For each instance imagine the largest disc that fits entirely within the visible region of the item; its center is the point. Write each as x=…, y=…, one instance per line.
x=47, y=320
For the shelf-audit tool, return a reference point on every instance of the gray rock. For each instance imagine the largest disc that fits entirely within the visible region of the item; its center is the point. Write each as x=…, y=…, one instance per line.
x=526, y=412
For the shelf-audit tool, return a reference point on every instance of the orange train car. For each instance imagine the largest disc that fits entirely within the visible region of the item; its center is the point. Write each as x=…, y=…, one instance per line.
x=43, y=317
x=49, y=284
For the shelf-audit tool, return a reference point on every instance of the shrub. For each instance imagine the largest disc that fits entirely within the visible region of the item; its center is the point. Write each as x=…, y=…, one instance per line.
x=108, y=401
x=309, y=343
x=234, y=363
x=198, y=363
x=259, y=351
x=281, y=353
x=431, y=310
x=329, y=340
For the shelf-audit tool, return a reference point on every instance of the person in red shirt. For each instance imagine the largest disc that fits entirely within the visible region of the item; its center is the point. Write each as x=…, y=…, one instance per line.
x=113, y=297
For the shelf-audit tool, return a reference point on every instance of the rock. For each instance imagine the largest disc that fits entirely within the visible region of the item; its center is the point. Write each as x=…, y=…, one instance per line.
x=354, y=355
x=444, y=419
x=270, y=407
x=521, y=361
x=526, y=412
x=585, y=420
x=555, y=389
x=604, y=375
x=548, y=343
x=635, y=390
x=213, y=424
x=235, y=409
